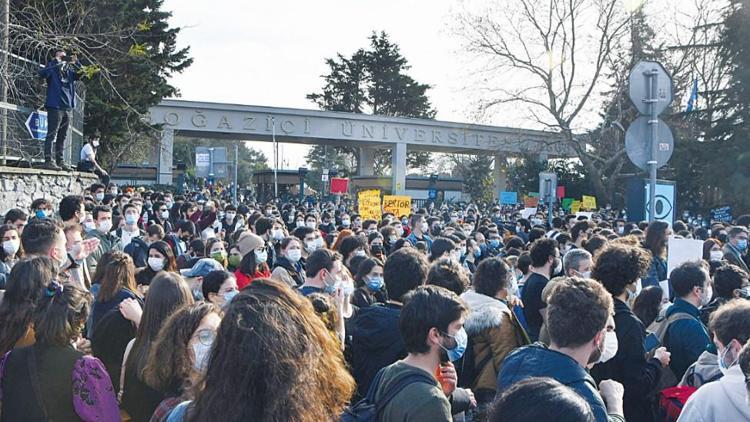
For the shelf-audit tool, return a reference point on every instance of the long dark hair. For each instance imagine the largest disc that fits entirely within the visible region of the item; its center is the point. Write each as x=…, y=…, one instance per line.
x=298, y=373
x=169, y=365
x=249, y=266
x=61, y=314
x=25, y=288
x=364, y=268
x=168, y=292
x=655, y=241
x=647, y=303
x=163, y=248
x=4, y=229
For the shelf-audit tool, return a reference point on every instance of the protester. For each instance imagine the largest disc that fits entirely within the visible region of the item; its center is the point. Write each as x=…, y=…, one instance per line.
x=10, y=252
x=545, y=261
x=289, y=266
x=116, y=284
x=648, y=304
x=160, y=258
x=269, y=319
x=540, y=399
x=657, y=237
x=735, y=249
x=254, y=260
x=730, y=282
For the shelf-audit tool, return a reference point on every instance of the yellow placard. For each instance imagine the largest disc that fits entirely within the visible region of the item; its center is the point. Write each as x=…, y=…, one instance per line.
x=575, y=206
x=369, y=204
x=589, y=202
x=399, y=205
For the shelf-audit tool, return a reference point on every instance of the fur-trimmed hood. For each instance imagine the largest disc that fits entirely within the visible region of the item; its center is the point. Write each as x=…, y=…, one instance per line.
x=484, y=312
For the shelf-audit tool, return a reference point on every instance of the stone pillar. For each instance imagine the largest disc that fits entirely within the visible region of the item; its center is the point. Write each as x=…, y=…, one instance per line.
x=165, y=153
x=366, y=161
x=398, y=168
x=500, y=175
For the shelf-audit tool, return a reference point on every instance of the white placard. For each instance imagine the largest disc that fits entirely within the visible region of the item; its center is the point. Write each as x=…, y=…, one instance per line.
x=527, y=212
x=682, y=250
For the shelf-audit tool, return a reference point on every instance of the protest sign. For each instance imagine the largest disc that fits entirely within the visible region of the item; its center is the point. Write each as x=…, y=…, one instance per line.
x=508, y=198
x=566, y=203
x=722, y=214
x=560, y=192
x=530, y=201
x=584, y=214
x=369, y=204
x=588, y=202
x=682, y=250
x=399, y=205
x=527, y=212
x=575, y=207
x=339, y=185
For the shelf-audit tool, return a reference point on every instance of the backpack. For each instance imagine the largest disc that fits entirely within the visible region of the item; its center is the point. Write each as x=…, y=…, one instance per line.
x=671, y=402
x=468, y=369
x=138, y=250
x=368, y=409
x=655, y=338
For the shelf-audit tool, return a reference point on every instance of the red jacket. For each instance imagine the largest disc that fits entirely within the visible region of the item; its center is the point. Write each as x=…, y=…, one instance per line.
x=244, y=280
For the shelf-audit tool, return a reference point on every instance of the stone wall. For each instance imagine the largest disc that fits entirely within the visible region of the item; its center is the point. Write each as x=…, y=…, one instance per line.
x=19, y=186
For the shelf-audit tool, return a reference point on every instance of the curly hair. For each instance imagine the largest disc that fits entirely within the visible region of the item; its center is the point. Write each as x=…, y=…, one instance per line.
x=449, y=274
x=491, y=276
x=577, y=310
x=618, y=265
x=273, y=360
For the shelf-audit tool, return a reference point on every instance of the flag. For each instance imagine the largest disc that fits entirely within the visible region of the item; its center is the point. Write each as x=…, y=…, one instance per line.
x=693, y=96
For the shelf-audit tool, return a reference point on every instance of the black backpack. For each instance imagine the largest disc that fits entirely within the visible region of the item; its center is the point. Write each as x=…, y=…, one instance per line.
x=367, y=409
x=468, y=369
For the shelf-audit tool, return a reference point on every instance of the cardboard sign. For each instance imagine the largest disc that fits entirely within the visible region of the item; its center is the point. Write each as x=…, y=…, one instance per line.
x=584, y=214
x=398, y=205
x=560, y=192
x=527, y=212
x=566, y=203
x=530, y=201
x=682, y=250
x=508, y=198
x=339, y=185
x=588, y=202
x=575, y=207
x=723, y=214
x=369, y=204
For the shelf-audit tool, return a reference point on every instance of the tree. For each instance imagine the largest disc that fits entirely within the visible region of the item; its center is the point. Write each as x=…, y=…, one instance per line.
x=558, y=51
x=371, y=81
x=250, y=159
x=129, y=52
x=476, y=170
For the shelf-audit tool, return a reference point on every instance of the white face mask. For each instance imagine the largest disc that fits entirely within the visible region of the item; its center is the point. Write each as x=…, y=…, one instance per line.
x=722, y=359
x=300, y=224
x=294, y=255
x=633, y=294
x=277, y=234
x=708, y=292
x=609, y=347
x=230, y=216
x=165, y=215
x=311, y=245
x=717, y=255
x=89, y=226
x=11, y=246
x=156, y=264
x=261, y=257
x=99, y=196
x=425, y=227
x=105, y=226
x=202, y=353
x=558, y=267
x=360, y=252
x=310, y=224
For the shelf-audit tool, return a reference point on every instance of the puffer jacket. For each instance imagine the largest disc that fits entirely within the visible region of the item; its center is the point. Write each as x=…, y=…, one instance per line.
x=492, y=328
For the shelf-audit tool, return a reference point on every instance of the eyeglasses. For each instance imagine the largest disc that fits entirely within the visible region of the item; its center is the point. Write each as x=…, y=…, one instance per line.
x=205, y=336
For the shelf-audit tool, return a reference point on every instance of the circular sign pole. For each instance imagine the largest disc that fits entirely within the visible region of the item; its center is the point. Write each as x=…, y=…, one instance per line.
x=654, y=122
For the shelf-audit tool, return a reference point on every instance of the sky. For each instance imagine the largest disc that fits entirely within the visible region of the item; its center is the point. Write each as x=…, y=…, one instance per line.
x=272, y=53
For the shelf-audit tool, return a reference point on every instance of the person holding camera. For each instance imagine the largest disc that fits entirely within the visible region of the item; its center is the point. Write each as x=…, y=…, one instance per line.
x=61, y=95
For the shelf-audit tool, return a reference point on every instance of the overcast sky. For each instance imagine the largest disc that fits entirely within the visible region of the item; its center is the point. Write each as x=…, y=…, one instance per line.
x=272, y=53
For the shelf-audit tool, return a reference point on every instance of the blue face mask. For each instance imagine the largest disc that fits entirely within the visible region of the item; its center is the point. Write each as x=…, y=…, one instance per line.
x=457, y=352
x=374, y=283
x=131, y=219
x=228, y=296
x=494, y=243
x=477, y=253
x=40, y=214
x=742, y=245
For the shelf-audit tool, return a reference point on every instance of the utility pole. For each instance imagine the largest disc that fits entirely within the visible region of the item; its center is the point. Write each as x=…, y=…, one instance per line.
x=4, y=77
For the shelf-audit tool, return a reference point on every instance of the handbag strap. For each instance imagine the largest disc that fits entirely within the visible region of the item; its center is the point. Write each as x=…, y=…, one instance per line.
x=122, y=371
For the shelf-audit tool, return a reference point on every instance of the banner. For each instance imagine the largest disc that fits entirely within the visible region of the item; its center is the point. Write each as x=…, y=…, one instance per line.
x=530, y=201
x=527, y=212
x=508, y=198
x=560, y=192
x=369, y=204
x=682, y=250
x=339, y=185
x=575, y=207
x=398, y=205
x=588, y=202
x=723, y=214
x=566, y=203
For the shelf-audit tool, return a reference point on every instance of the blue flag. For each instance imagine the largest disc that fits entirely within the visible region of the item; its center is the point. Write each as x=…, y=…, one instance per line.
x=693, y=96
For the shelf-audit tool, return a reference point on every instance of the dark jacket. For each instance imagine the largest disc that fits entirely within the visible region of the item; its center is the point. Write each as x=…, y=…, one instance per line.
x=629, y=366
x=362, y=297
x=537, y=360
x=294, y=271
x=60, y=93
x=734, y=256
x=686, y=339
x=101, y=308
x=376, y=342
x=138, y=250
x=712, y=306
x=656, y=272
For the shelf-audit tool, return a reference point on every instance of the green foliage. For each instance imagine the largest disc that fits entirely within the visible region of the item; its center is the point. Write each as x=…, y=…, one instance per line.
x=249, y=161
x=476, y=170
x=523, y=176
x=370, y=81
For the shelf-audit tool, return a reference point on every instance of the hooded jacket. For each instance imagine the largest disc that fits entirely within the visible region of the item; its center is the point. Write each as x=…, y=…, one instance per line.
x=376, y=342
x=537, y=360
x=723, y=400
x=492, y=329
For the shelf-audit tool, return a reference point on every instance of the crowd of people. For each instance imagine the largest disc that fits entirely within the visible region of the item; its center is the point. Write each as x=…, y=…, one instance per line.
x=166, y=308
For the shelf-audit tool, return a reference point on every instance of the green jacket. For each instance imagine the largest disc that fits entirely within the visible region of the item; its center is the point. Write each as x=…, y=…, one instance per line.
x=107, y=242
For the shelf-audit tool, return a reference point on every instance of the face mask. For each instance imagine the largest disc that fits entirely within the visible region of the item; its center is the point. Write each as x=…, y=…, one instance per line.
x=268, y=212
x=228, y=296
x=300, y=224
x=310, y=224
x=585, y=274
x=331, y=284
x=374, y=283
x=311, y=245
x=40, y=214
x=131, y=219
x=706, y=296
x=219, y=256
x=722, y=358
x=234, y=261
x=477, y=253
x=495, y=243
x=319, y=243
x=99, y=197
x=294, y=255
x=11, y=246
x=404, y=221
x=156, y=264
x=463, y=251
x=376, y=249
x=346, y=222
x=609, y=347
x=456, y=256
x=202, y=353
x=461, y=340
x=261, y=257
x=633, y=294
x=164, y=215
x=620, y=230
x=424, y=227
x=742, y=245
x=392, y=240
x=277, y=234
x=360, y=252
x=717, y=255
x=105, y=226
x=230, y=216
x=89, y=226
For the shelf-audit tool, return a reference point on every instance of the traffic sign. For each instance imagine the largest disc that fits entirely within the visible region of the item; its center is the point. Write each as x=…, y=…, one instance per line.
x=324, y=177
x=639, y=89
x=432, y=194
x=36, y=124
x=547, y=187
x=638, y=147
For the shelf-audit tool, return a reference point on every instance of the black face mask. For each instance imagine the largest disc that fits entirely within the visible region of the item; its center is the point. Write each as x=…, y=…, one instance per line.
x=376, y=249
x=185, y=238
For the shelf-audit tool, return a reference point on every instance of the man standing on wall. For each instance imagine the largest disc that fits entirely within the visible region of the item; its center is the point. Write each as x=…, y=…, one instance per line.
x=61, y=95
